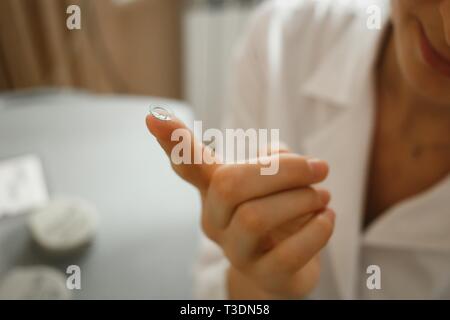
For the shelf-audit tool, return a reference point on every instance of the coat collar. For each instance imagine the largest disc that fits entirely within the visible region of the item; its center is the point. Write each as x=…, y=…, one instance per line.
x=344, y=79
x=346, y=68
x=422, y=223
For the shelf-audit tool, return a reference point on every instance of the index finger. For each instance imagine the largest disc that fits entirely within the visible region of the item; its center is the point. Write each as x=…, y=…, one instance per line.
x=172, y=134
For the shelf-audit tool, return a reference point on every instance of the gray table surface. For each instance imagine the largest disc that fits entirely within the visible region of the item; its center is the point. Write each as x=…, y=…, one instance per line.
x=98, y=148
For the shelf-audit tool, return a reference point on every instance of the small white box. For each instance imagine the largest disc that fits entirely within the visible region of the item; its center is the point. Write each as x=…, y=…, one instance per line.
x=22, y=185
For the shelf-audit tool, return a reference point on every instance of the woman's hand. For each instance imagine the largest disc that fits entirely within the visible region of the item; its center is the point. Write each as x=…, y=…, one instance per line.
x=445, y=12
x=271, y=228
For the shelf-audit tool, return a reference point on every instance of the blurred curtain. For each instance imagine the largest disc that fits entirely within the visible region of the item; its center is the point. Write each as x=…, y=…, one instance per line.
x=133, y=47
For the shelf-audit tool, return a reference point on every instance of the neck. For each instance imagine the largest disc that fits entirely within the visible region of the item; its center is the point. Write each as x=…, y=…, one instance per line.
x=412, y=113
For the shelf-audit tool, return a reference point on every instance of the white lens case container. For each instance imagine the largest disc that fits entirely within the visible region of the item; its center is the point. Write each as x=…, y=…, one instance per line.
x=34, y=283
x=63, y=225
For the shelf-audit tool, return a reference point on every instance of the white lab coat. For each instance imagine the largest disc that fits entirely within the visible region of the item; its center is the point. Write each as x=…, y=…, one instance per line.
x=306, y=67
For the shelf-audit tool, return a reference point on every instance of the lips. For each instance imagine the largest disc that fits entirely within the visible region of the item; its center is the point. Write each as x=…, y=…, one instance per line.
x=432, y=57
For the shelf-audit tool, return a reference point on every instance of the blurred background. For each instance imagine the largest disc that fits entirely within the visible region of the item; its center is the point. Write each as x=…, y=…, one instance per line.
x=177, y=49
x=72, y=110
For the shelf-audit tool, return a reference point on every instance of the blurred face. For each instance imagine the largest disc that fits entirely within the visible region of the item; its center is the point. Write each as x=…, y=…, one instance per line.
x=422, y=40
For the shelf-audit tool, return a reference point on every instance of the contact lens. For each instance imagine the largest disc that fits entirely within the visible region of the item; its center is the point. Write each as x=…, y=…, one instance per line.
x=161, y=114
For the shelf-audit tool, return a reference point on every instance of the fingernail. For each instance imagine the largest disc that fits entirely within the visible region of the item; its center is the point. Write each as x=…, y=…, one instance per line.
x=161, y=114
x=324, y=196
x=329, y=214
x=318, y=167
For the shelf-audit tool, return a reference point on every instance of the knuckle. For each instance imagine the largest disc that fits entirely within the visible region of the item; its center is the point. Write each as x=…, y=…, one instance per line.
x=249, y=218
x=208, y=230
x=235, y=260
x=231, y=251
x=224, y=183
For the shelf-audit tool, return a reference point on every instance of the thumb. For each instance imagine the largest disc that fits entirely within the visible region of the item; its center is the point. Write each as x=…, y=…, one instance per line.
x=186, y=154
